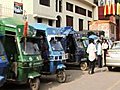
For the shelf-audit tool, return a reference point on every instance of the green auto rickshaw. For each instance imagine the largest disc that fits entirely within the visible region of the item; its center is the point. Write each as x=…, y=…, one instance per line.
x=22, y=52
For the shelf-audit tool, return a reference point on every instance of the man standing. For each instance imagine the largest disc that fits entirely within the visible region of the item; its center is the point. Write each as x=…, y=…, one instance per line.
x=91, y=50
x=99, y=54
x=105, y=48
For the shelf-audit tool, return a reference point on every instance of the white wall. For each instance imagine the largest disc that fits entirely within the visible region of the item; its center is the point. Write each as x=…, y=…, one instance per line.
x=75, y=16
x=42, y=10
x=33, y=7
x=28, y=6
x=7, y=8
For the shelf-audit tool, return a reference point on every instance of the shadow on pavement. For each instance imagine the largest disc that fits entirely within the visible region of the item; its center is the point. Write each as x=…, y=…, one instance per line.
x=49, y=82
x=103, y=69
x=13, y=86
x=117, y=69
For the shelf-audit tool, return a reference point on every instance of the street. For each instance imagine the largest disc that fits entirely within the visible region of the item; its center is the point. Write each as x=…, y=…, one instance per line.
x=78, y=80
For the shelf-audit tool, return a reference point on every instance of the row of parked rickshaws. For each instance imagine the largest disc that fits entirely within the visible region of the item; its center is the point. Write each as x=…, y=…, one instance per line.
x=28, y=51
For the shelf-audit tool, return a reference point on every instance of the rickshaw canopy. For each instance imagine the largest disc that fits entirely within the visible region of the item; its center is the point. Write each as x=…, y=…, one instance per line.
x=14, y=25
x=47, y=29
x=66, y=30
x=11, y=22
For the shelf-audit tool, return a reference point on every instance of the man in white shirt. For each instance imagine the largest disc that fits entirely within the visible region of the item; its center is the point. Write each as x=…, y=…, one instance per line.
x=105, y=48
x=99, y=54
x=91, y=50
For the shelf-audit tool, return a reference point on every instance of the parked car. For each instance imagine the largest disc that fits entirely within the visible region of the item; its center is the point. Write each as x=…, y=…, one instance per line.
x=110, y=42
x=113, y=56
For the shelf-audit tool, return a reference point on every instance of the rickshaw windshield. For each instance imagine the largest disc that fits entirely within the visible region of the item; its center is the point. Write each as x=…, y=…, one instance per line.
x=1, y=49
x=30, y=48
x=56, y=46
x=85, y=43
x=79, y=43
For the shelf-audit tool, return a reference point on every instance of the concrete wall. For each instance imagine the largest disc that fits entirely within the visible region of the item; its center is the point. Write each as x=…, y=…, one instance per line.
x=34, y=10
x=6, y=8
x=106, y=26
x=46, y=11
x=75, y=16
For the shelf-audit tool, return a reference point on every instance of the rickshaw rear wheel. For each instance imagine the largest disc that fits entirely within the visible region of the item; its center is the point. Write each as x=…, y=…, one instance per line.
x=35, y=84
x=83, y=66
x=61, y=76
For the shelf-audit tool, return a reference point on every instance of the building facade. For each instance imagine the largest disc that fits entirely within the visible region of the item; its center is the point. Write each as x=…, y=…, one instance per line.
x=57, y=13
x=108, y=9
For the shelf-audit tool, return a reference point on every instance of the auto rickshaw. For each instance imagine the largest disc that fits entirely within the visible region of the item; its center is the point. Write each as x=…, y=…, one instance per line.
x=22, y=52
x=51, y=50
x=3, y=63
x=74, y=47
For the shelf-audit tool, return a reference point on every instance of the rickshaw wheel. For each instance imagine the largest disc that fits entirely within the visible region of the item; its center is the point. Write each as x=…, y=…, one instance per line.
x=61, y=76
x=35, y=84
x=83, y=66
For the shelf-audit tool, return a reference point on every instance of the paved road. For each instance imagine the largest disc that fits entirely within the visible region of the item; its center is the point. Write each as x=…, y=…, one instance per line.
x=78, y=80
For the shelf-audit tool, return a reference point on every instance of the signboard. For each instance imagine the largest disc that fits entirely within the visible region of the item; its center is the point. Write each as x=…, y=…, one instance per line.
x=18, y=8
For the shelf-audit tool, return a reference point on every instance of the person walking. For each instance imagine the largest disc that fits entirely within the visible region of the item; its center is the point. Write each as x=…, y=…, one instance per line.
x=91, y=50
x=99, y=54
x=105, y=47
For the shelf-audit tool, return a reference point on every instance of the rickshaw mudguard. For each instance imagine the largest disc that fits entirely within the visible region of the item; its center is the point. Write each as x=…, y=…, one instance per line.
x=61, y=66
x=2, y=80
x=33, y=75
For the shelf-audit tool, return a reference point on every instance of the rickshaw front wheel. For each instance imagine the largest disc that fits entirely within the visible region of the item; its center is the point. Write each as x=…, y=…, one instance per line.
x=35, y=84
x=83, y=66
x=61, y=76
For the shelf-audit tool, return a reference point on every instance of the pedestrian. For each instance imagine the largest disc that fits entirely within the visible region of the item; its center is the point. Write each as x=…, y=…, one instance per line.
x=91, y=50
x=105, y=47
x=44, y=49
x=99, y=54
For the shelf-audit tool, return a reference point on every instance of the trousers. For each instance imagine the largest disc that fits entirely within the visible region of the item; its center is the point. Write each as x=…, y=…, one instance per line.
x=91, y=67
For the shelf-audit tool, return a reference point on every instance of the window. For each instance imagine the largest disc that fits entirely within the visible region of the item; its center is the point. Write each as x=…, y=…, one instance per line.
x=58, y=22
x=88, y=25
x=50, y=22
x=58, y=5
x=69, y=21
x=69, y=7
x=39, y=20
x=80, y=24
x=89, y=14
x=80, y=10
x=96, y=2
x=112, y=29
x=116, y=45
x=45, y=2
